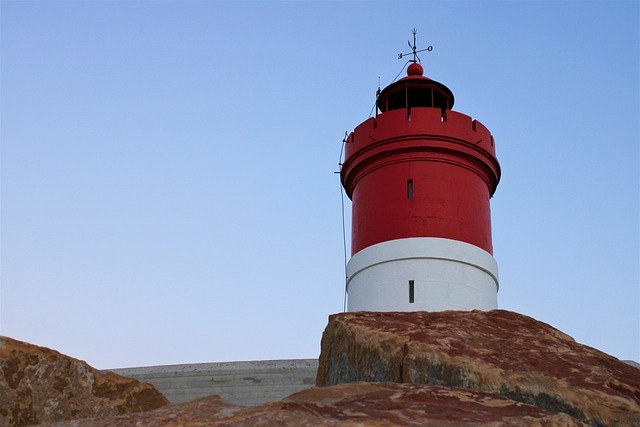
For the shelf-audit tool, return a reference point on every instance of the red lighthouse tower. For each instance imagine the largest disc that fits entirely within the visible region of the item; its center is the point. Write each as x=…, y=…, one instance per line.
x=420, y=177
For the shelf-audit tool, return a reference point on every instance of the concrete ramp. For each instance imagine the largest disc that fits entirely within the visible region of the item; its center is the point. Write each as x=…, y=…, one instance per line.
x=240, y=383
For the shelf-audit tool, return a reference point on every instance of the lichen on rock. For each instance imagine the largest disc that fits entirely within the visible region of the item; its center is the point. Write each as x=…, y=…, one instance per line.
x=497, y=351
x=40, y=385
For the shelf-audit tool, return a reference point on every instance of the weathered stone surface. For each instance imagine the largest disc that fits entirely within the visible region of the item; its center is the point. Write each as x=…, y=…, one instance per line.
x=38, y=385
x=204, y=411
x=632, y=363
x=497, y=351
x=371, y=404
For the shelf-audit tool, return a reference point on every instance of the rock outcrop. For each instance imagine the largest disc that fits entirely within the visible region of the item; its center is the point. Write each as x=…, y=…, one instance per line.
x=496, y=352
x=371, y=404
x=493, y=368
x=39, y=385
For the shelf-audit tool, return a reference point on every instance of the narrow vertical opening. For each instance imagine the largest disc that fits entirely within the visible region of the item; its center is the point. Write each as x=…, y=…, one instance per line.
x=409, y=189
x=411, y=291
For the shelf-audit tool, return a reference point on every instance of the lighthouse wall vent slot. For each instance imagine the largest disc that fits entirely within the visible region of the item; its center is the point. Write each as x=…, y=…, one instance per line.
x=411, y=291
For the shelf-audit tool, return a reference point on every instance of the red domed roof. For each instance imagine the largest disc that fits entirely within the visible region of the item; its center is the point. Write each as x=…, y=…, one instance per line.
x=415, y=90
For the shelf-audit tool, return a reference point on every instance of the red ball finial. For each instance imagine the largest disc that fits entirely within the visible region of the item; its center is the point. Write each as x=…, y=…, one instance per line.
x=415, y=69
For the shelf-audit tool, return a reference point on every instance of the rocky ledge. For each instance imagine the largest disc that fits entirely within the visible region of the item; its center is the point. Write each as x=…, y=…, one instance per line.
x=497, y=352
x=355, y=404
x=39, y=385
x=495, y=368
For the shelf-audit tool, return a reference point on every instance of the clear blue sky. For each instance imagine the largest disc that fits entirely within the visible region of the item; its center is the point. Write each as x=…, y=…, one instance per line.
x=168, y=187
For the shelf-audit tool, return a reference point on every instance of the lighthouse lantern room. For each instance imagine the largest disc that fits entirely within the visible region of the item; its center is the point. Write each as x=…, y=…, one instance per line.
x=420, y=177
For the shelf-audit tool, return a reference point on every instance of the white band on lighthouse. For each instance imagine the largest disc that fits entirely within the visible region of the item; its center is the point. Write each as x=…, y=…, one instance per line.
x=422, y=273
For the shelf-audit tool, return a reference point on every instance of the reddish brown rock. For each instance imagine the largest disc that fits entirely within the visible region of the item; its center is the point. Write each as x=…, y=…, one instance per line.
x=371, y=404
x=203, y=411
x=41, y=385
x=497, y=352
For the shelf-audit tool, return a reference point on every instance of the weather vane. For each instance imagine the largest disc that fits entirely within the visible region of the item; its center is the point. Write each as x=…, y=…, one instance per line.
x=414, y=52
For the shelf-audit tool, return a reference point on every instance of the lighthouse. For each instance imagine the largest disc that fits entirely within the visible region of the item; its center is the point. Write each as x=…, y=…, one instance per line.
x=420, y=177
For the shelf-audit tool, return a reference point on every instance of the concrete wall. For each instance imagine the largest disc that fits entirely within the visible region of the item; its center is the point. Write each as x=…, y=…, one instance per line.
x=240, y=383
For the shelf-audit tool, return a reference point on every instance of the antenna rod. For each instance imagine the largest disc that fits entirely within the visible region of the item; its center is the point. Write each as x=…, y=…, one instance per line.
x=414, y=31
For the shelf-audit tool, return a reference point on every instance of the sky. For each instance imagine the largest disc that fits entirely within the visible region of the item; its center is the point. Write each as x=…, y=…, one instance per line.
x=168, y=187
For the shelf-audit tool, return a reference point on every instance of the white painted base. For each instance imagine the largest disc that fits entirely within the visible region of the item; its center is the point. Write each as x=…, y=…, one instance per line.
x=447, y=275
